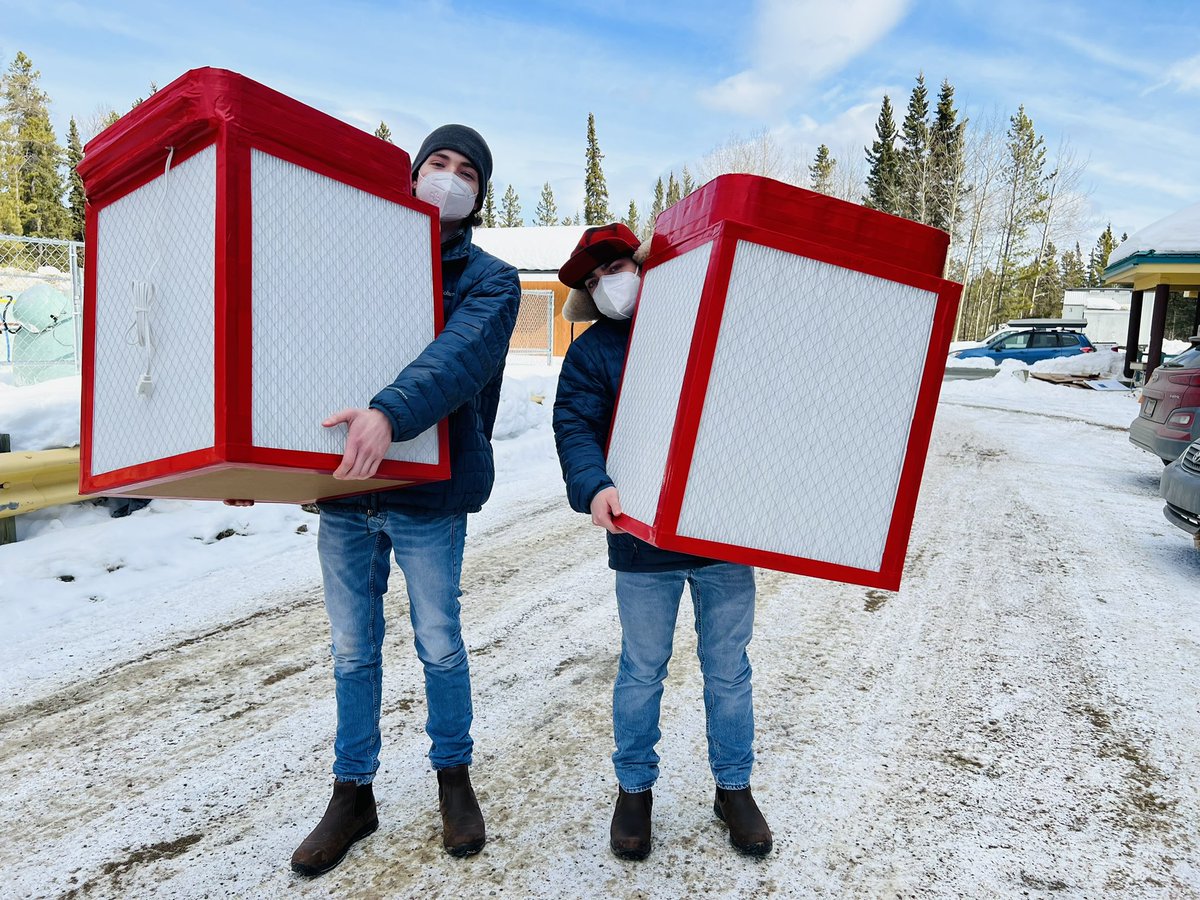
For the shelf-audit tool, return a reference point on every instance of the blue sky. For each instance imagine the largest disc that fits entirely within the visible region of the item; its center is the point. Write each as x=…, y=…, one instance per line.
x=667, y=80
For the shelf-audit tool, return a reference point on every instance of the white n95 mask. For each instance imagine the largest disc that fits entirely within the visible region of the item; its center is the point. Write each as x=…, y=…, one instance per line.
x=616, y=294
x=449, y=193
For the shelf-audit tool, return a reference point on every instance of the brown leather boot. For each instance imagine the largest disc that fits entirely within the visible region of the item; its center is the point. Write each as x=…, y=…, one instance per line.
x=629, y=834
x=349, y=817
x=462, y=822
x=748, y=830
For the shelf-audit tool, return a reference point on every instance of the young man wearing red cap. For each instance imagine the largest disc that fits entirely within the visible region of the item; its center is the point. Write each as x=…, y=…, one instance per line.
x=604, y=275
x=457, y=376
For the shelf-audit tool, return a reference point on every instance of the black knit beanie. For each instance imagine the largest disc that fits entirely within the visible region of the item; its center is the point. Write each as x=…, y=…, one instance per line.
x=467, y=141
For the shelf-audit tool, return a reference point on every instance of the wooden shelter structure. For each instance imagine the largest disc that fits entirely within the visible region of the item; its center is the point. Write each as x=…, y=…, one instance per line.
x=1162, y=258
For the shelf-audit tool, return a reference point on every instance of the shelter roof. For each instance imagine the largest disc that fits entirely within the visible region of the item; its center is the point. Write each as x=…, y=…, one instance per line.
x=1165, y=252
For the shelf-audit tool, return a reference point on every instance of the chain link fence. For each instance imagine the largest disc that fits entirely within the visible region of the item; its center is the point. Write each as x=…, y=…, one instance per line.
x=41, y=295
x=534, y=332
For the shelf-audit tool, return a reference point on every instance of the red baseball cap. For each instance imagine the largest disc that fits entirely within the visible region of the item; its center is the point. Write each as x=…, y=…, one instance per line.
x=598, y=246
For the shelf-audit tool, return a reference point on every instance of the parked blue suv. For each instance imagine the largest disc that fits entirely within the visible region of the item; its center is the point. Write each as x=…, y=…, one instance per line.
x=1033, y=340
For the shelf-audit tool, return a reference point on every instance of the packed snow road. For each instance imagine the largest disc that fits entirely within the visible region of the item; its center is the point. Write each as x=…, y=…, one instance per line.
x=1021, y=718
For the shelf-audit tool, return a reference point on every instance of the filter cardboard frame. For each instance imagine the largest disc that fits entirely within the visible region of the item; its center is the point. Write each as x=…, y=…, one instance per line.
x=860, y=246
x=244, y=123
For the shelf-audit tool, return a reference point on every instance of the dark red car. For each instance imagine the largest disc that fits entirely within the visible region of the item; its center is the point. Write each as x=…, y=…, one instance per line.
x=1170, y=416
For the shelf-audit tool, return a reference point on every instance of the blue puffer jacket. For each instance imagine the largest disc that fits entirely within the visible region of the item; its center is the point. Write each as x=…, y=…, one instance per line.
x=583, y=412
x=457, y=375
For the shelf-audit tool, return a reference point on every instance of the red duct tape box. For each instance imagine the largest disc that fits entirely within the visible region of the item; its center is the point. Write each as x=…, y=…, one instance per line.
x=783, y=372
x=253, y=266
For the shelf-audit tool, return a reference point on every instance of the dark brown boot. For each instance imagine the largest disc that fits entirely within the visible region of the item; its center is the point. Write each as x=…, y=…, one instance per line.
x=748, y=830
x=629, y=835
x=349, y=817
x=462, y=821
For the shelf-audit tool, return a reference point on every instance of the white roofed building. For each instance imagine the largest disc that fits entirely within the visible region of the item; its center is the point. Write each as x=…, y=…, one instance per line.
x=537, y=252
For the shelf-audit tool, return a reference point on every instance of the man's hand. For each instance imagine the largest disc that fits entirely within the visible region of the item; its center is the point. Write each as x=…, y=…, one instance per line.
x=606, y=506
x=368, y=438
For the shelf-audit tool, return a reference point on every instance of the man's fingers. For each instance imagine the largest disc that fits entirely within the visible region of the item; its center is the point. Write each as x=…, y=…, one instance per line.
x=346, y=415
x=364, y=467
x=349, y=460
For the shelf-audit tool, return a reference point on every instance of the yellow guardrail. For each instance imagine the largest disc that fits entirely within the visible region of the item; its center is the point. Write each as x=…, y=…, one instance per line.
x=35, y=479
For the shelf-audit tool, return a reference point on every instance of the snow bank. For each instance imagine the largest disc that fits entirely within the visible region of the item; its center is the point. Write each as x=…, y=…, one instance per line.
x=1101, y=364
x=970, y=362
x=40, y=416
x=526, y=400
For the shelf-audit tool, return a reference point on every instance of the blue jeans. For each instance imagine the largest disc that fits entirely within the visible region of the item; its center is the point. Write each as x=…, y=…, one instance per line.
x=354, y=545
x=648, y=604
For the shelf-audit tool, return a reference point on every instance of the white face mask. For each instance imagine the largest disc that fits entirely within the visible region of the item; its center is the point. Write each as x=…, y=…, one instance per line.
x=616, y=294
x=449, y=193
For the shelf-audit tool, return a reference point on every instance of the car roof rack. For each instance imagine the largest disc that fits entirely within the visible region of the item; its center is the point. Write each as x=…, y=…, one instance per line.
x=1048, y=323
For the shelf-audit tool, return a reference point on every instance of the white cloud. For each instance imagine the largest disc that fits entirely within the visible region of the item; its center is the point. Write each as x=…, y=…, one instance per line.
x=1185, y=74
x=797, y=42
x=746, y=92
x=1145, y=178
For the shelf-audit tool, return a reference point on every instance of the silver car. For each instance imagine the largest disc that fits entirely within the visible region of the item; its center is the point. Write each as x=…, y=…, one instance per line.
x=1180, y=487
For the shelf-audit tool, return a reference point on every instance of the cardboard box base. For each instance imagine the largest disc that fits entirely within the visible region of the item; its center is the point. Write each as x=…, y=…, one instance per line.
x=264, y=485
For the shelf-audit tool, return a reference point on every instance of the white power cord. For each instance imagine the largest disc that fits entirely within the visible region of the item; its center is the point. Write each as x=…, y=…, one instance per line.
x=144, y=293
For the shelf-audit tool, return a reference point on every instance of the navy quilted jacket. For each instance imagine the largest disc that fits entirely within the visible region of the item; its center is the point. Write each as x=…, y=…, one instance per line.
x=583, y=412
x=457, y=375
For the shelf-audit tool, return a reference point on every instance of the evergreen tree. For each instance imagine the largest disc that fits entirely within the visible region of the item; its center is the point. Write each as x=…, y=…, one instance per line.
x=39, y=183
x=1048, y=293
x=45, y=215
x=1074, y=272
x=383, y=132
x=1098, y=261
x=488, y=213
x=688, y=185
x=75, y=195
x=547, y=209
x=595, y=191
x=820, y=173
x=510, y=210
x=947, y=165
x=138, y=101
x=10, y=174
x=674, y=192
x=631, y=218
x=914, y=154
x=578, y=219
x=1024, y=183
x=883, y=164
x=659, y=204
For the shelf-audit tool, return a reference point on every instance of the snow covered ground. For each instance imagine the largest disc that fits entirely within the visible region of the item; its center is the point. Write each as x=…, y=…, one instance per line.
x=1019, y=719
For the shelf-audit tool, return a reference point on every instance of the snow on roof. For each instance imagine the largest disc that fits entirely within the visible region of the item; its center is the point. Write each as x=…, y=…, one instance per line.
x=542, y=248
x=1098, y=298
x=1177, y=233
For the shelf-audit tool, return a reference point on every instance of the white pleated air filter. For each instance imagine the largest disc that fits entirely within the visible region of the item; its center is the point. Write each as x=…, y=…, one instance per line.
x=253, y=266
x=751, y=425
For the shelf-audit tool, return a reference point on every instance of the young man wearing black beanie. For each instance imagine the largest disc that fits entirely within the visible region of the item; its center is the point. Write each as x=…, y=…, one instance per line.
x=457, y=376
